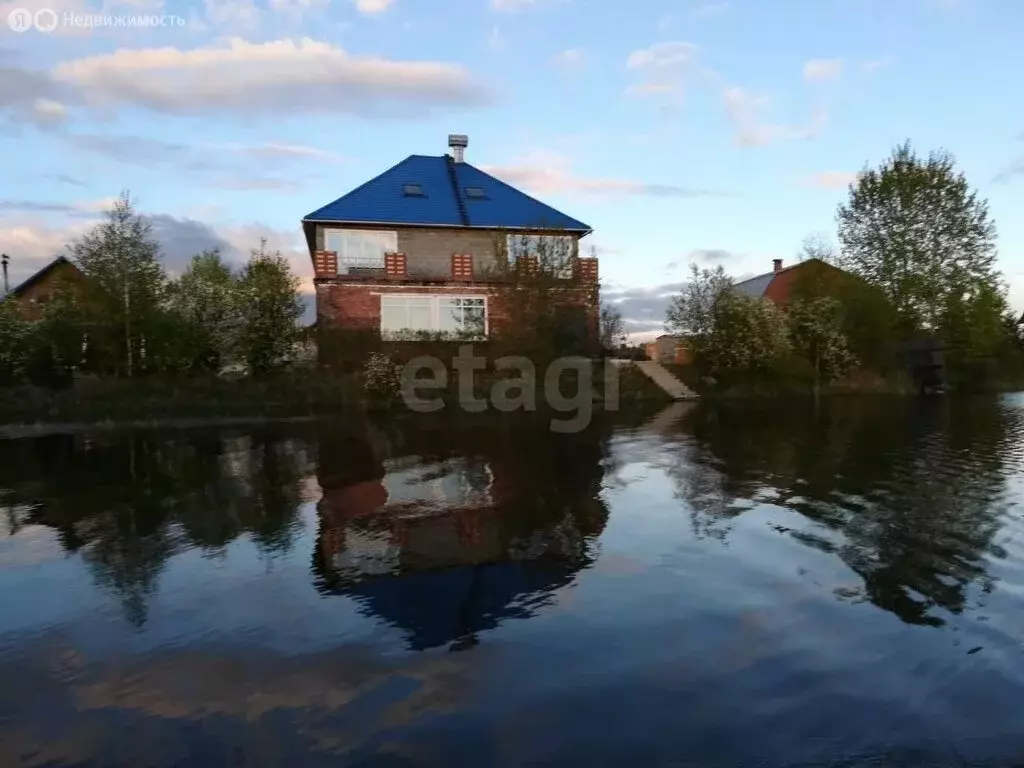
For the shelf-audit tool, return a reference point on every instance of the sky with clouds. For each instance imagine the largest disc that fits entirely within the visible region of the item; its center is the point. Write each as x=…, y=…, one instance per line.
x=708, y=131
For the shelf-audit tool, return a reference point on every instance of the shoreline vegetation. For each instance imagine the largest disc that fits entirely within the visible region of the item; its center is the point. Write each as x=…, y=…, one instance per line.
x=291, y=394
x=913, y=287
x=313, y=395
x=130, y=343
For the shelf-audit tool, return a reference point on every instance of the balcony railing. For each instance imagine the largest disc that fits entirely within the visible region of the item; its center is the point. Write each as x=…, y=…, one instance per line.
x=461, y=267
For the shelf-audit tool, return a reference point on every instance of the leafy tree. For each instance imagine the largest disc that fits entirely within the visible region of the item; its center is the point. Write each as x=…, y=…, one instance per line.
x=868, y=319
x=870, y=325
x=980, y=336
x=612, y=327
x=535, y=286
x=266, y=295
x=58, y=339
x=14, y=334
x=693, y=312
x=203, y=303
x=127, y=281
x=914, y=228
x=749, y=335
x=816, y=333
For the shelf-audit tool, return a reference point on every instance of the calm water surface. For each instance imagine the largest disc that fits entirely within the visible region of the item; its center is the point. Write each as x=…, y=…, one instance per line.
x=741, y=586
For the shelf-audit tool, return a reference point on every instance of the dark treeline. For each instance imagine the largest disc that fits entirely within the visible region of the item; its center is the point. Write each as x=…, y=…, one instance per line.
x=128, y=317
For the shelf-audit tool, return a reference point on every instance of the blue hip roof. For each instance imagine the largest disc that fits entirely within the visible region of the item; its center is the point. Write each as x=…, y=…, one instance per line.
x=444, y=200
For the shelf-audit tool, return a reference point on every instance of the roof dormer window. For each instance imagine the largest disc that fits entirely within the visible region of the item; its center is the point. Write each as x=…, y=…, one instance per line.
x=412, y=190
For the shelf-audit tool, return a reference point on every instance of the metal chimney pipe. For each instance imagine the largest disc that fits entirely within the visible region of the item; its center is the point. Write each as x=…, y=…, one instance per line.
x=458, y=142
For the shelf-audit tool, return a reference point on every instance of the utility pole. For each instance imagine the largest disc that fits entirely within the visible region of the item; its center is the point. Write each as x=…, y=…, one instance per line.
x=7, y=284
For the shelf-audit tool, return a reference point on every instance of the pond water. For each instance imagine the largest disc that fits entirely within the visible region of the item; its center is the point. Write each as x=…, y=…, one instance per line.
x=744, y=585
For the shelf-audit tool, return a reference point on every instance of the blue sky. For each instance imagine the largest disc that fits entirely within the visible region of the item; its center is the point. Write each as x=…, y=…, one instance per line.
x=715, y=131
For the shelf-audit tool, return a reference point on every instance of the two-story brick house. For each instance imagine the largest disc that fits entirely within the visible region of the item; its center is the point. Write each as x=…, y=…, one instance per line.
x=428, y=246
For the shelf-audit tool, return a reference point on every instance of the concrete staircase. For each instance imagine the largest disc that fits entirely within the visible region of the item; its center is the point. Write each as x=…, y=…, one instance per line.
x=673, y=386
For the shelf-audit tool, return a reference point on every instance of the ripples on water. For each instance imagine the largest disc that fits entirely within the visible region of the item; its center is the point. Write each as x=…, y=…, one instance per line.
x=742, y=585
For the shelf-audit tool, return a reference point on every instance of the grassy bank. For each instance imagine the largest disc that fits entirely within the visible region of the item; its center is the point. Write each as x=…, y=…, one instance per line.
x=288, y=395
x=156, y=399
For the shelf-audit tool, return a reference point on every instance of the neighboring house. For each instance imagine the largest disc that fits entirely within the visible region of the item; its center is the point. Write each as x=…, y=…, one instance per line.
x=922, y=355
x=36, y=292
x=778, y=284
x=669, y=349
x=418, y=248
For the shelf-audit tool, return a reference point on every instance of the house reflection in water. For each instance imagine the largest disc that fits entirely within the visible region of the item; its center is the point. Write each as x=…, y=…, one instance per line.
x=449, y=535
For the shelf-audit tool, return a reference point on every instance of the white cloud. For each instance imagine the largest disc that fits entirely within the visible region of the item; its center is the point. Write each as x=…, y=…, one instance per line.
x=669, y=55
x=373, y=7
x=661, y=68
x=571, y=58
x=511, y=6
x=32, y=242
x=264, y=78
x=49, y=112
x=710, y=8
x=874, y=65
x=551, y=174
x=830, y=180
x=745, y=109
x=822, y=70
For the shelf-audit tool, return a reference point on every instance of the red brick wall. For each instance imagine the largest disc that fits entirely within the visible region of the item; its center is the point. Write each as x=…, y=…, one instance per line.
x=780, y=289
x=33, y=299
x=352, y=306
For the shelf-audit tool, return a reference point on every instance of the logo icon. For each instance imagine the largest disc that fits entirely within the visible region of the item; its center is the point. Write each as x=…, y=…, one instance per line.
x=46, y=20
x=20, y=19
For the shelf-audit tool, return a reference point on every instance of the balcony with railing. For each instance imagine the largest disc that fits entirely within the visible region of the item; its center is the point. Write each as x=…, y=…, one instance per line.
x=462, y=267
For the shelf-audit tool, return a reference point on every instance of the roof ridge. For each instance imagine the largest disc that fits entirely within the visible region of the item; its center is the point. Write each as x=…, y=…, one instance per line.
x=459, y=203
x=784, y=269
x=756, y=277
x=41, y=272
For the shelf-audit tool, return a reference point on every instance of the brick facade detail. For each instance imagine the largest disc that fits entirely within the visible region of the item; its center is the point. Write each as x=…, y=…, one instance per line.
x=462, y=266
x=356, y=306
x=395, y=265
x=325, y=263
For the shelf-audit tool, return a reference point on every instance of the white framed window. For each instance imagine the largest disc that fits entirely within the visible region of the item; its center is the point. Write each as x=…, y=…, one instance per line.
x=556, y=251
x=360, y=248
x=405, y=315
